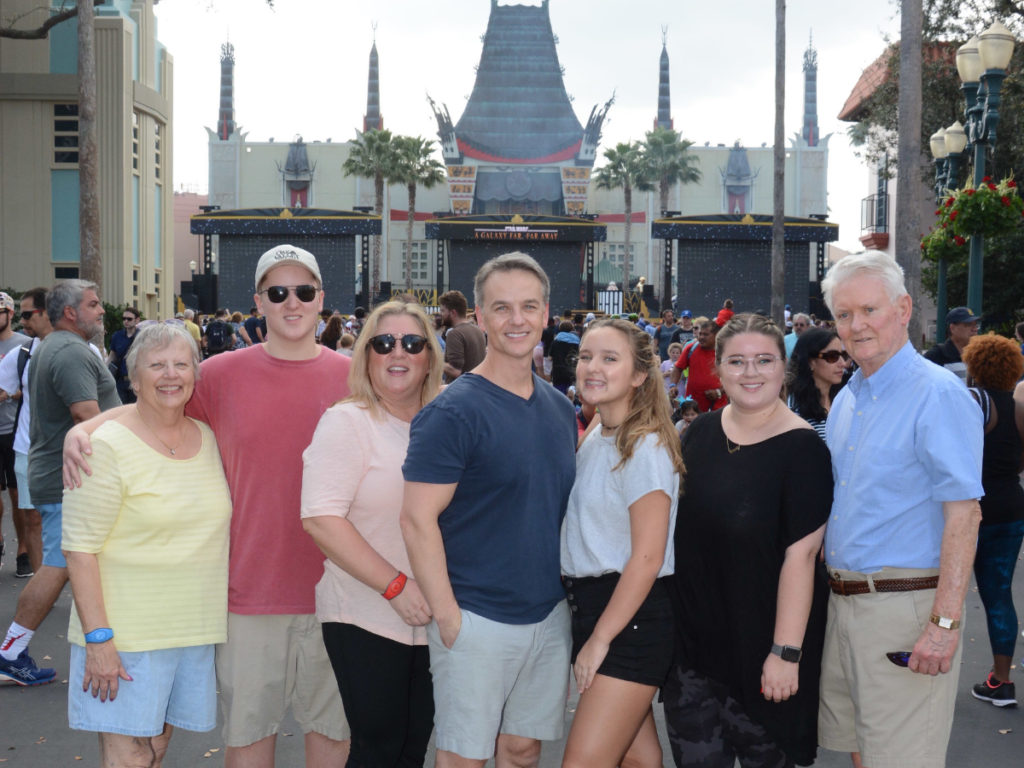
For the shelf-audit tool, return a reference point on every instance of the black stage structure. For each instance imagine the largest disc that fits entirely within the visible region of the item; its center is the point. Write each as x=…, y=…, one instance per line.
x=729, y=256
x=562, y=245
x=245, y=235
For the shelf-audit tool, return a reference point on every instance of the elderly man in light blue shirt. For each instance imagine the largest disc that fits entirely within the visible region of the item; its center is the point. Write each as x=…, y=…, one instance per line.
x=906, y=440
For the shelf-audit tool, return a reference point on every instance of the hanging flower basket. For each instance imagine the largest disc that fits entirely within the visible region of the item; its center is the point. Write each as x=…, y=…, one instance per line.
x=989, y=209
x=941, y=244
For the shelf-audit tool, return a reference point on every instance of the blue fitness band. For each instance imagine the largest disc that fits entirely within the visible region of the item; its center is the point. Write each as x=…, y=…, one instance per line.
x=99, y=635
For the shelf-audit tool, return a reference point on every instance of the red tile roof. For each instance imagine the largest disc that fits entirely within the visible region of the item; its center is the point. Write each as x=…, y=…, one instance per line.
x=854, y=110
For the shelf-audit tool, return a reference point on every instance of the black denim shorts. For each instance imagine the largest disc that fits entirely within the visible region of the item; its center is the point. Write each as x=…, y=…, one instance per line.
x=640, y=653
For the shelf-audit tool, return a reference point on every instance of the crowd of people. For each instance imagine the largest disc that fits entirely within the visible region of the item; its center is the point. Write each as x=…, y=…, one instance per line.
x=462, y=508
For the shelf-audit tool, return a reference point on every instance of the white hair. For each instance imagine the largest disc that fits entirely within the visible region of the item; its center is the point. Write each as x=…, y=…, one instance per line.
x=875, y=264
x=802, y=316
x=159, y=336
x=189, y=314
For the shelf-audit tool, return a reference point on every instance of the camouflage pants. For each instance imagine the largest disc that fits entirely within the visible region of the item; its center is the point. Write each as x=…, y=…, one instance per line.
x=707, y=728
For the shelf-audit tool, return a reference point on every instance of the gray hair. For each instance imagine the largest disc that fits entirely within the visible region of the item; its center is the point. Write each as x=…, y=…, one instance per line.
x=67, y=293
x=189, y=314
x=157, y=336
x=801, y=315
x=510, y=262
x=875, y=264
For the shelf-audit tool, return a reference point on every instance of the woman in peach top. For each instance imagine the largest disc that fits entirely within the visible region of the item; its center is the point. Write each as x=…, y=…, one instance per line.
x=374, y=616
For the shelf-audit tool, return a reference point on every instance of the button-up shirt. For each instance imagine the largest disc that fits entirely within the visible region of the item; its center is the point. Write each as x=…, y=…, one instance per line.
x=903, y=441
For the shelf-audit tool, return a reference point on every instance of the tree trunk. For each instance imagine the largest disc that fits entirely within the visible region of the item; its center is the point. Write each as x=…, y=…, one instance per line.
x=378, y=208
x=408, y=236
x=627, y=196
x=908, y=170
x=91, y=264
x=663, y=190
x=779, y=176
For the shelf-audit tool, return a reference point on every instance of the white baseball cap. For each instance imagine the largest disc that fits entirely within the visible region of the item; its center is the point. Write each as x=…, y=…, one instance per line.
x=287, y=254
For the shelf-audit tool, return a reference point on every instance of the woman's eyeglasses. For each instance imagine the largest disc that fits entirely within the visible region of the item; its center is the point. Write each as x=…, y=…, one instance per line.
x=765, y=364
x=384, y=344
x=279, y=293
x=832, y=356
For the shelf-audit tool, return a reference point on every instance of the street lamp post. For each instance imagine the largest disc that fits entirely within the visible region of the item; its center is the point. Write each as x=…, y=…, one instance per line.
x=981, y=63
x=947, y=146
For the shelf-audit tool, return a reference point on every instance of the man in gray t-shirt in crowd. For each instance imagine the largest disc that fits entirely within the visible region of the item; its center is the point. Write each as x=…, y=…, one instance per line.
x=68, y=384
x=9, y=342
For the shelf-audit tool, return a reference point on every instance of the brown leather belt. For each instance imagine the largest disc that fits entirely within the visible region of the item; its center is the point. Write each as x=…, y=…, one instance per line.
x=850, y=588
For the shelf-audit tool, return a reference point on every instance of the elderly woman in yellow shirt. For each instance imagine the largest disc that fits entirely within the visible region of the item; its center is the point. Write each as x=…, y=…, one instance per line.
x=146, y=540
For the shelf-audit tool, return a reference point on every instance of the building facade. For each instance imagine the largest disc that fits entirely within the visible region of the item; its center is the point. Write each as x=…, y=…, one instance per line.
x=39, y=236
x=517, y=148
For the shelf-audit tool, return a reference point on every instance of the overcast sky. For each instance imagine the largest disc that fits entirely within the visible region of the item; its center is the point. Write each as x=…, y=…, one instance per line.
x=302, y=68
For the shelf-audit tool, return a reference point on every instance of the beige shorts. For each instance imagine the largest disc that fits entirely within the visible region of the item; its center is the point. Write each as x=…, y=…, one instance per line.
x=268, y=663
x=894, y=717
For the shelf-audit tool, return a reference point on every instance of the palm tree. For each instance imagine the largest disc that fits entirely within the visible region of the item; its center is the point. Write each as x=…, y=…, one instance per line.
x=416, y=166
x=779, y=175
x=668, y=161
x=374, y=155
x=910, y=161
x=626, y=169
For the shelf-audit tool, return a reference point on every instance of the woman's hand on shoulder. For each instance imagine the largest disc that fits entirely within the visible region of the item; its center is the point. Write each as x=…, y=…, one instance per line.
x=77, y=445
x=411, y=605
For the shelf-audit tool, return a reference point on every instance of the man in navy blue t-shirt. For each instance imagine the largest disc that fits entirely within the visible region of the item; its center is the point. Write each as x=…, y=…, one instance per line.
x=490, y=466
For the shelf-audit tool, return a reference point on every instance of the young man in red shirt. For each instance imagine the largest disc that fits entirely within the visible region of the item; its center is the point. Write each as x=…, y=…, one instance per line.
x=275, y=651
x=703, y=384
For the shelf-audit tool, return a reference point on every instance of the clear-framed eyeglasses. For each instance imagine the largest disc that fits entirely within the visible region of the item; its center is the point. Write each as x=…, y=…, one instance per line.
x=763, y=364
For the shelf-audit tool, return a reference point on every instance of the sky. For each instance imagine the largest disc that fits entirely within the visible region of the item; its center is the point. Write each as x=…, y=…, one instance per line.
x=301, y=68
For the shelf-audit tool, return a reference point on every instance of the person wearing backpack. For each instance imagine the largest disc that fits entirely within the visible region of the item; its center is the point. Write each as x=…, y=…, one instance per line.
x=220, y=337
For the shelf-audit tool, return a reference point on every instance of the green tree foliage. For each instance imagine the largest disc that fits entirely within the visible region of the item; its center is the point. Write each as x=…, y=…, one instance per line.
x=627, y=169
x=374, y=155
x=668, y=161
x=416, y=166
x=948, y=24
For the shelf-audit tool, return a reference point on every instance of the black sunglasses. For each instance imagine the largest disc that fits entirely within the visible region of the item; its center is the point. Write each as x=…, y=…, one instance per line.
x=279, y=293
x=383, y=345
x=833, y=355
x=27, y=314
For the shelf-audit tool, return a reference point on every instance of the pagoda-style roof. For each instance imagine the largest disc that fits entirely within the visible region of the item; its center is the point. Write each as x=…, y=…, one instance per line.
x=519, y=110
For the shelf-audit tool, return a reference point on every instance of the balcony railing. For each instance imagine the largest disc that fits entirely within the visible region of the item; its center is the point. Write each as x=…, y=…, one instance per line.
x=874, y=214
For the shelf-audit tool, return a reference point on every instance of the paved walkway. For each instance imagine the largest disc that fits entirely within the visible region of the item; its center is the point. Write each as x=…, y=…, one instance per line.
x=34, y=732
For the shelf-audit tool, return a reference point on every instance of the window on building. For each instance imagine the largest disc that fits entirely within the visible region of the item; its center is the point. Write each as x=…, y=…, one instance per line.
x=65, y=273
x=420, y=261
x=135, y=286
x=156, y=152
x=616, y=252
x=135, y=142
x=65, y=133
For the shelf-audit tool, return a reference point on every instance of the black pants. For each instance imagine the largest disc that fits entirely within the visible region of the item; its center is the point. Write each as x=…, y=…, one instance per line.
x=388, y=696
x=125, y=392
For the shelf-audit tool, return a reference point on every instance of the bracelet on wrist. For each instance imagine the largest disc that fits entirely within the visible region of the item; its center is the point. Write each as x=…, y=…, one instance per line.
x=395, y=587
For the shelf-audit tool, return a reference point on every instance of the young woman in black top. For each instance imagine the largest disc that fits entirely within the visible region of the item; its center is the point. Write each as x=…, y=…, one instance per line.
x=815, y=374
x=750, y=612
x=995, y=364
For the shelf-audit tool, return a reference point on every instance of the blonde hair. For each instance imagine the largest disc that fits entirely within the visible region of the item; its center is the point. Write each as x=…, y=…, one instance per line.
x=650, y=411
x=750, y=322
x=359, y=375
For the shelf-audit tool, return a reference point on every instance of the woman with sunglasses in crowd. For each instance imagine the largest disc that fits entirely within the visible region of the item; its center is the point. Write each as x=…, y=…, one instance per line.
x=816, y=372
x=374, y=616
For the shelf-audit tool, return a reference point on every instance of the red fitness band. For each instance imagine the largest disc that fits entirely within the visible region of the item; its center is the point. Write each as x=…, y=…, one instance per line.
x=396, y=586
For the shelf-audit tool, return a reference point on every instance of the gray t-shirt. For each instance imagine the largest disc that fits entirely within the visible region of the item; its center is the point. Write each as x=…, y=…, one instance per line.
x=596, y=537
x=9, y=407
x=64, y=371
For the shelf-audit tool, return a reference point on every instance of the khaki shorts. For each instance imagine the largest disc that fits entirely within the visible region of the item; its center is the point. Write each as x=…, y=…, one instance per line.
x=500, y=678
x=894, y=717
x=268, y=663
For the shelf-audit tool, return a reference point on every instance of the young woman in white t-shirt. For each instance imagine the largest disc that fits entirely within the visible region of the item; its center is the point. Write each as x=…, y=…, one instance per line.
x=616, y=547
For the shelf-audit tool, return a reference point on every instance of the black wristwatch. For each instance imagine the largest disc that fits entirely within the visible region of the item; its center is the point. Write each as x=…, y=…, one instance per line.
x=787, y=653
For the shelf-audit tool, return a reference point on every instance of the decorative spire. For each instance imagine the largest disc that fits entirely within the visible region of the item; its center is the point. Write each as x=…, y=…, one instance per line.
x=811, y=133
x=664, y=119
x=372, y=118
x=226, y=116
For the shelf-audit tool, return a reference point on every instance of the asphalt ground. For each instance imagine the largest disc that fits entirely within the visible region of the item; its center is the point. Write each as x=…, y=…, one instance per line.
x=34, y=732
